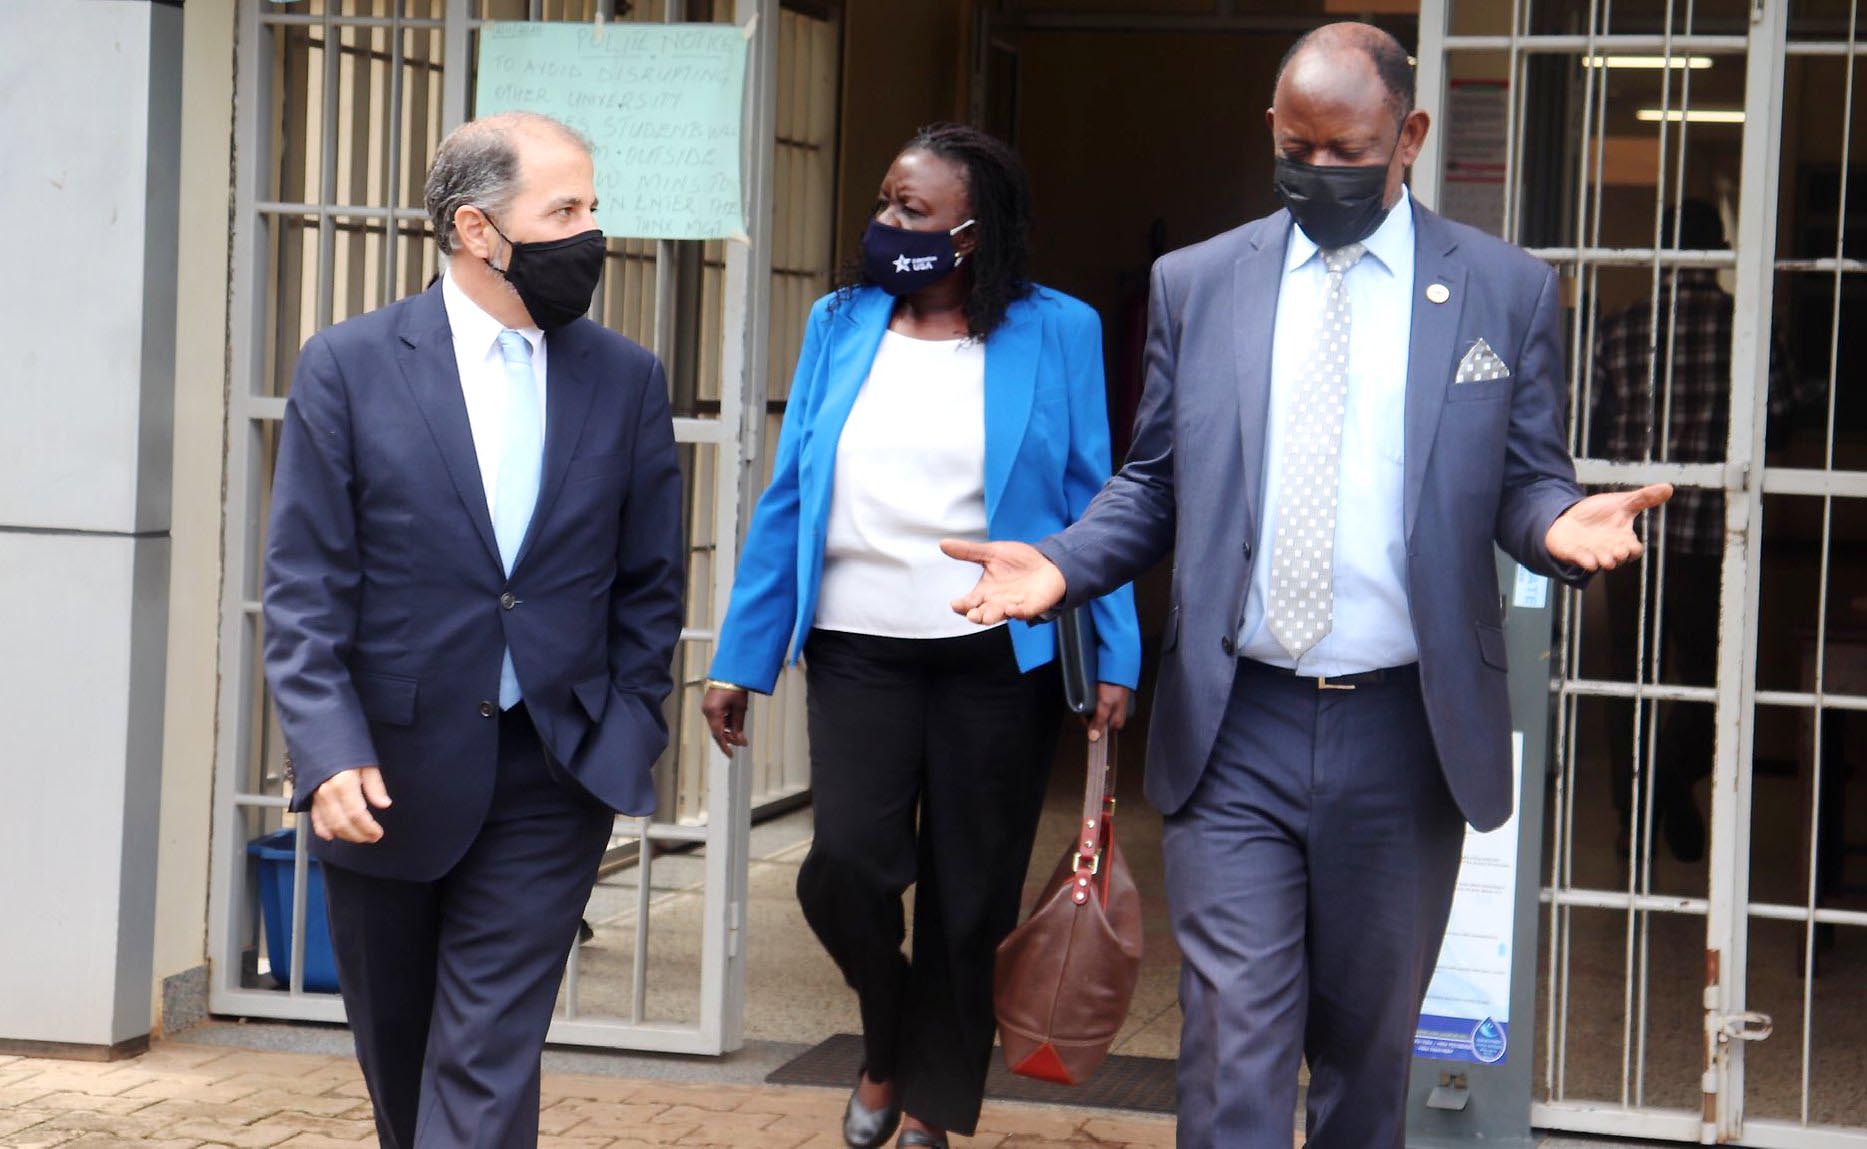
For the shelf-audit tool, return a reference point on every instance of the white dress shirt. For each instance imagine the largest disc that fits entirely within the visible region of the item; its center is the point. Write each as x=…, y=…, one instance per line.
x=1373, y=627
x=910, y=471
x=483, y=378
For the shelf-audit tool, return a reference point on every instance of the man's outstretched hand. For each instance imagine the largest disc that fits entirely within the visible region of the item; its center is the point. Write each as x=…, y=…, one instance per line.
x=1019, y=582
x=1597, y=534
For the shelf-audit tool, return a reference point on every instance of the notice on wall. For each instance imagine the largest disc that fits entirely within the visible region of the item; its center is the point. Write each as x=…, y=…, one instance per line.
x=661, y=105
x=1467, y=1012
x=1476, y=123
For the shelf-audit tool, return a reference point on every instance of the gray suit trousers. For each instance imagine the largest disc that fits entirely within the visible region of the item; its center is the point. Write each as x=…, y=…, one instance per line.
x=1310, y=877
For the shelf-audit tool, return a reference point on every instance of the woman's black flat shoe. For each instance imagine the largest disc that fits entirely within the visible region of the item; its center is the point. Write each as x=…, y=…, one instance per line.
x=920, y=1139
x=865, y=1128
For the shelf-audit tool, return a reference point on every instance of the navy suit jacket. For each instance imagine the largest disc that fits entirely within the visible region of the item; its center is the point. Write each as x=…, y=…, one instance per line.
x=387, y=608
x=1486, y=463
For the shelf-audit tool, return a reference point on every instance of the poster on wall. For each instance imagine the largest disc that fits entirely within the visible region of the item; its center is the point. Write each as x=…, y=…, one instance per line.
x=1476, y=124
x=661, y=105
x=1467, y=1012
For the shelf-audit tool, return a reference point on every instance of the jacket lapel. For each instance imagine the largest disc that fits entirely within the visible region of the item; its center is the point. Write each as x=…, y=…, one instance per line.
x=427, y=359
x=1256, y=279
x=1011, y=355
x=569, y=391
x=1431, y=347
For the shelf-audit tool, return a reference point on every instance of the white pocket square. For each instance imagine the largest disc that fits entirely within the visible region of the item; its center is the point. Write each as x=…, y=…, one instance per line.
x=1479, y=365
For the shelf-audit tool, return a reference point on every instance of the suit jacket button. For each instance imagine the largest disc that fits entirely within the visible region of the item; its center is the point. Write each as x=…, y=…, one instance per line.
x=1225, y=644
x=508, y=600
x=486, y=710
x=1247, y=552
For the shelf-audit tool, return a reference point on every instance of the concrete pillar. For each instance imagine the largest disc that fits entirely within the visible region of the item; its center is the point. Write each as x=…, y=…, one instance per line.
x=89, y=159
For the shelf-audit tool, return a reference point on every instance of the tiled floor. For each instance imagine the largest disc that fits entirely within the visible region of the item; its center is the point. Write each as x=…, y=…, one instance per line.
x=187, y=1096
x=196, y=1095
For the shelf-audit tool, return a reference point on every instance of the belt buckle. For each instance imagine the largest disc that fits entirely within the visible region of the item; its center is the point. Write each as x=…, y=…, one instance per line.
x=1323, y=683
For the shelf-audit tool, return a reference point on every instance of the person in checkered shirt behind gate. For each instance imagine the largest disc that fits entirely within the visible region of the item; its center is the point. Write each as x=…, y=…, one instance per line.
x=1629, y=415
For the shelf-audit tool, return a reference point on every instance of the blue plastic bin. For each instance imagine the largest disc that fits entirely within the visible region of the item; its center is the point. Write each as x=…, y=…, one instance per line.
x=275, y=852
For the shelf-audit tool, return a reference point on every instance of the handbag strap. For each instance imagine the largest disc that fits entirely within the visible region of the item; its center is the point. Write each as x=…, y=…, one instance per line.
x=1097, y=833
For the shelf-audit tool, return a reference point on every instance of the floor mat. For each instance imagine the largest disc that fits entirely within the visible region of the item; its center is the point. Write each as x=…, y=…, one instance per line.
x=1139, y=1083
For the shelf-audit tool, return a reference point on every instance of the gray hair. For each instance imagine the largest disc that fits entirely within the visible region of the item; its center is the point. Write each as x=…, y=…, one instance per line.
x=477, y=165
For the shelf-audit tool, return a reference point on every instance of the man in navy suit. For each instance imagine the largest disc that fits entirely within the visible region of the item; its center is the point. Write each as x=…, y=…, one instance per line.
x=473, y=592
x=1348, y=404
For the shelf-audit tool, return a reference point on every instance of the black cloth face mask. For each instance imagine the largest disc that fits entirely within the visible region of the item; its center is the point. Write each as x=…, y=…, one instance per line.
x=555, y=279
x=1335, y=205
x=901, y=262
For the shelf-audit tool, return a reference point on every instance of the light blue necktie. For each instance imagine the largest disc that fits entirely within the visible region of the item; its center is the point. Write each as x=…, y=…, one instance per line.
x=520, y=459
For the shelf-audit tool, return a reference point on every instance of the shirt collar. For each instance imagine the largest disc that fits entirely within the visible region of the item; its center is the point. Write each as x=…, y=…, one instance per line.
x=1390, y=244
x=475, y=330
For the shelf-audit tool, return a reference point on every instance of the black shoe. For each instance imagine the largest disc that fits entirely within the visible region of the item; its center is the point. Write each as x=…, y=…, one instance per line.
x=865, y=1128
x=920, y=1139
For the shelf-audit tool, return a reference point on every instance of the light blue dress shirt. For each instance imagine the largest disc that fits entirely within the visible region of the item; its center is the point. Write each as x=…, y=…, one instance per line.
x=1373, y=626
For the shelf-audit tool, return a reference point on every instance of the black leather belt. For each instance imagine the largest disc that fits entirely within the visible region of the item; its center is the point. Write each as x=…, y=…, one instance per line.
x=1384, y=677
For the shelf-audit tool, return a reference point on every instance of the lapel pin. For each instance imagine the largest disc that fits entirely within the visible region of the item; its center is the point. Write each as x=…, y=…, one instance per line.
x=1438, y=293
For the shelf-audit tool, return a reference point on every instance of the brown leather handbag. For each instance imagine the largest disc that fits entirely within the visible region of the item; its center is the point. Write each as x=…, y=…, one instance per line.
x=1066, y=977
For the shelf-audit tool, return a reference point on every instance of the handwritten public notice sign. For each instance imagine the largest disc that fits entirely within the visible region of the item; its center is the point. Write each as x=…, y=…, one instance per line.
x=659, y=103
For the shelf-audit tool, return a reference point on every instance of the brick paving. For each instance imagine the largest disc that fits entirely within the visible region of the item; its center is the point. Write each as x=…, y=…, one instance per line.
x=181, y=1096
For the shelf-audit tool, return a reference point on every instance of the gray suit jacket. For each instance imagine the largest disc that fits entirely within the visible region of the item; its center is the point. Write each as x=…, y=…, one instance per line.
x=1485, y=462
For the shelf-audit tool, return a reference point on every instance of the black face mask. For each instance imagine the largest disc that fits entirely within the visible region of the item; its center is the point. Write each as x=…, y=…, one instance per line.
x=902, y=262
x=555, y=280
x=1336, y=205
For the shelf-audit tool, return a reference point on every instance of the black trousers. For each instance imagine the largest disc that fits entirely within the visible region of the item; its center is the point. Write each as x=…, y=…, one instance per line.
x=450, y=984
x=929, y=759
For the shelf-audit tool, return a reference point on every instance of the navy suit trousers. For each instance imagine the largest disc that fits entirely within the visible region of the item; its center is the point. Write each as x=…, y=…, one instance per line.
x=450, y=984
x=1309, y=879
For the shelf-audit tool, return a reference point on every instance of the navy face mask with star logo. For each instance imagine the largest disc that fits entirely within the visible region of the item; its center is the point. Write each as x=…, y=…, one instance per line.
x=901, y=262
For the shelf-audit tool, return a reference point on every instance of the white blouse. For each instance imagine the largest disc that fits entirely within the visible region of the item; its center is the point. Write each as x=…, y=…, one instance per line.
x=910, y=471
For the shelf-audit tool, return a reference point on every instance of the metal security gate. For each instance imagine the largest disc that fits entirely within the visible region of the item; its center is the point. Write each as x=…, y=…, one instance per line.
x=1711, y=987
x=339, y=105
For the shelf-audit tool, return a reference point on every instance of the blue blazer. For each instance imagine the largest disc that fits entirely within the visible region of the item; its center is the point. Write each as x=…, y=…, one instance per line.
x=387, y=607
x=1487, y=465
x=1046, y=456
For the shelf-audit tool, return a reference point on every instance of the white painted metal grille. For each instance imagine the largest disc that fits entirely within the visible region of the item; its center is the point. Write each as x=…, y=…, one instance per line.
x=339, y=106
x=1729, y=662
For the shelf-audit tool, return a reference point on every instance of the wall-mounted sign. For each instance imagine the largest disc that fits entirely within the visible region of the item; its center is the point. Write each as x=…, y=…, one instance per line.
x=1476, y=122
x=1467, y=1012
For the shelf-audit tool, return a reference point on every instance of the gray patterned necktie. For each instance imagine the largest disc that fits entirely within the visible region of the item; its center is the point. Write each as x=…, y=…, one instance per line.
x=1302, y=607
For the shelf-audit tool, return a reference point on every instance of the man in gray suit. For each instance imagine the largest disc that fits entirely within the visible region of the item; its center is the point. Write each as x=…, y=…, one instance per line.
x=1348, y=404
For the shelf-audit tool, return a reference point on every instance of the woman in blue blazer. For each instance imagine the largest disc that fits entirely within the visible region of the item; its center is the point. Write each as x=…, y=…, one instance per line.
x=941, y=395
